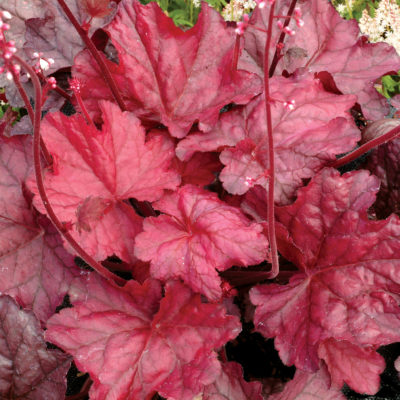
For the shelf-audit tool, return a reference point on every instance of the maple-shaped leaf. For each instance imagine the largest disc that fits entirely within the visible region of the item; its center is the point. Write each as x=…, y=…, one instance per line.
x=330, y=43
x=230, y=385
x=28, y=370
x=198, y=235
x=349, y=284
x=35, y=269
x=95, y=171
x=305, y=138
x=167, y=75
x=134, y=343
x=347, y=363
x=308, y=386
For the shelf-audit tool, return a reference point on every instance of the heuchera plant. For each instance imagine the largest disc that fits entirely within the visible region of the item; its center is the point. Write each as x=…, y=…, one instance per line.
x=190, y=156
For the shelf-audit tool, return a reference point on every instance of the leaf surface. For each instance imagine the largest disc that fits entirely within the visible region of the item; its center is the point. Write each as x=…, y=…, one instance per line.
x=134, y=343
x=95, y=171
x=167, y=75
x=306, y=138
x=230, y=385
x=330, y=43
x=197, y=235
x=349, y=284
x=383, y=162
x=307, y=386
x=28, y=370
x=358, y=367
x=35, y=269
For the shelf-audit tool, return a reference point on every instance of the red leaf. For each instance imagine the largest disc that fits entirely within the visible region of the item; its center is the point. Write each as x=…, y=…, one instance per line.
x=199, y=170
x=304, y=139
x=230, y=385
x=96, y=8
x=359, y=368
x=167, y=75
x=306, y=386
x=198, y=235
x=29, y=370
x=349, y=285
x=35, y=269
x=96, y=170
x=327, y=42
x=133, y=343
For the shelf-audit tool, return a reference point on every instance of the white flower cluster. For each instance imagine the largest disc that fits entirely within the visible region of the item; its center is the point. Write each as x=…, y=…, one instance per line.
x=385, y=26
x=235, y=10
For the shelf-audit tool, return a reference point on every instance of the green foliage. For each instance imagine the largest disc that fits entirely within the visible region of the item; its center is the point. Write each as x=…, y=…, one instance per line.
x=184, y=13
x=390, y=85
x=354, y=9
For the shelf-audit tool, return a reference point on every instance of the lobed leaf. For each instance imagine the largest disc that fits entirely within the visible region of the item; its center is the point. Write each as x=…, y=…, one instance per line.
x=197, y=235
x=95, y=171
x=28, y=370
x=167, y=75
x=349, y=284
x=134, y=343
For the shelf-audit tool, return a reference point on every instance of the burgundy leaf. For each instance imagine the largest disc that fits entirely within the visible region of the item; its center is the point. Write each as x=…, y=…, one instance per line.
x=199, y=170
x=55, y=36
x=167, y=75
x=349, y=284
x=28, y=370
x=95, y=171
x=359, y=368
x=35, y=269
x=197, y=235
x=135, y=343
x=384, y=163
x=306, y=138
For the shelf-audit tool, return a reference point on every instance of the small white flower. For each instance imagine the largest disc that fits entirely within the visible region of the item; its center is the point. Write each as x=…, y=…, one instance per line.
x=341, y=8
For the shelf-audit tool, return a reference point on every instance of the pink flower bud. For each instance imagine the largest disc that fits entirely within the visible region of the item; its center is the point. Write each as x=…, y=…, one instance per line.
x=289, y=31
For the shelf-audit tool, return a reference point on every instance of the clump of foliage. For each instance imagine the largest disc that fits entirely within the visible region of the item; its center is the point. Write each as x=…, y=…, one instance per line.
x=193, y=192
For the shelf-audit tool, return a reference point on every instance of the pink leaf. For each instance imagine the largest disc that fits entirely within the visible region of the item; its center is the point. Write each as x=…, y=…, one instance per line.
x=347, y=363
x=35, y=269
x=348, y=287
x=327, y=42
x=28, y=370
x=198, y=235
x=230, y=385
x=304, y=139
x=307, y=386
x=134, y=343
x=95, y=171
x=167, y=75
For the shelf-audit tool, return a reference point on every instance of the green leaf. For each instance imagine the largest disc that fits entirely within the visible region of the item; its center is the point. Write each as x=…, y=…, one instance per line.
x=391, y=85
